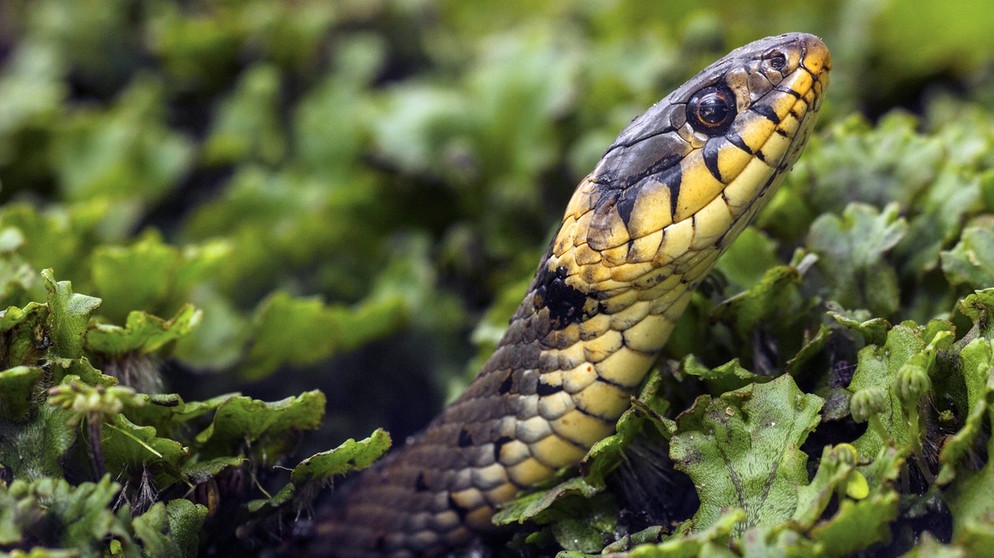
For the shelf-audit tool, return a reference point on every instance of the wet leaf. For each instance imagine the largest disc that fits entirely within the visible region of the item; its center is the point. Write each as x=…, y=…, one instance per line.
x=742, y=450
x=142, y=333
x=267, y=428
x=858, y=242
x=302, y=331
x=69, y=316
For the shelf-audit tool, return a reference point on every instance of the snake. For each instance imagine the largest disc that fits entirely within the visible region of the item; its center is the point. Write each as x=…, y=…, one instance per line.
x=640, y=232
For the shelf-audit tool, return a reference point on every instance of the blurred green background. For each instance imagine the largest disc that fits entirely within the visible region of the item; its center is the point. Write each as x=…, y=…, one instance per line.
x=346, y=187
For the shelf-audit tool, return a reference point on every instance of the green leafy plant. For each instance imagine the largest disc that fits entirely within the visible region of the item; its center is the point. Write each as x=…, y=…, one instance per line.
x=288, y=217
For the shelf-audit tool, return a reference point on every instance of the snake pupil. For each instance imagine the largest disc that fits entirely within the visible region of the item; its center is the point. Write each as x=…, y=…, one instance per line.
x=711, y=110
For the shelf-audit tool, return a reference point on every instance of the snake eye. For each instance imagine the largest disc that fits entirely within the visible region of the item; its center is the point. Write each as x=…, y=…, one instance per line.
x=711, y=110
x=778, y=60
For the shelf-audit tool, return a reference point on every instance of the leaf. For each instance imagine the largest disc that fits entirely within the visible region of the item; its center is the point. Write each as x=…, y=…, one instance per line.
x=35, y=449
x=976, y=536
x=311, y=474
x=220, y=336
x=876, y=165
x=859, y=523
x=298, y=331
x=349, y=456
x=17, y=389
x=978, y=306
x=928, y=547
x=136, y=277
x=56, y=237
x=537, y=506
x=813, y=345
x=959, y=449
x=971, y=261
x=767, y=301
x=968, y=497
x=747, y=260
x=27, y=333
x=12, y=517
x=128, y=447
x=170, y=530
x=726, y=377
x=169, y=414
x=874, y=330
x=742, y=450
x=705, y=542
x=882, y=374
x=645, y=416
x=125, y=152
x=69, y=316
x=143, y=333
x=938, y=219
x=267, y=428
x=53, y=513
x=248, y=125
x=857, y=242
x=814, y=497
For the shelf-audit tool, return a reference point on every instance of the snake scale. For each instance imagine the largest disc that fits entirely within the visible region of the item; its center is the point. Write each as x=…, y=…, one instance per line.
x=640, y=233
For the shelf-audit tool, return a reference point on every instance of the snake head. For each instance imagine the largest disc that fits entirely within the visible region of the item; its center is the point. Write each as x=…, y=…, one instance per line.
x=718, y=144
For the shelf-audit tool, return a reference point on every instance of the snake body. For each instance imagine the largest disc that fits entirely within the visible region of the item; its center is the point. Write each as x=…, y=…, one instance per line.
x=639, y=234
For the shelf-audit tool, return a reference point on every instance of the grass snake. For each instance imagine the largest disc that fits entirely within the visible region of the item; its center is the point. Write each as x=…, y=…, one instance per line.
x=639, y=234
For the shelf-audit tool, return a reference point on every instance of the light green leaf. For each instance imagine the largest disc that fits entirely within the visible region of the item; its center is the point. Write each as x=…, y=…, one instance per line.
x=128, y=447
x=748, y=258
x=742, y=450
x=69, y=316
x=60, y=515
x=248, y=125
x=971, y=261
x=136, y=277
x=299, y=331
x=35, y=449
x=348, y=457
x=537, y=506
x=17, y=390
x=313, y=473
x=242, y=423
x=711, y=541
x=143, y=333
x=170, y=530
x=860, y=523
x=968, y=497
x=886, y=372
x=125, y=152
x=768, y=301
x=726, y=377
x=857, y=243
x=960, y=448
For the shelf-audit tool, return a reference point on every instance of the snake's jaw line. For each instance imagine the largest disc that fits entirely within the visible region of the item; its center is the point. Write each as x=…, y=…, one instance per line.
x=640, y=232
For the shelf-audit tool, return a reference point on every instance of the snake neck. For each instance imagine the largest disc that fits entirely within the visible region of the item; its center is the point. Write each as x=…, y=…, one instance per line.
x=639, y=234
